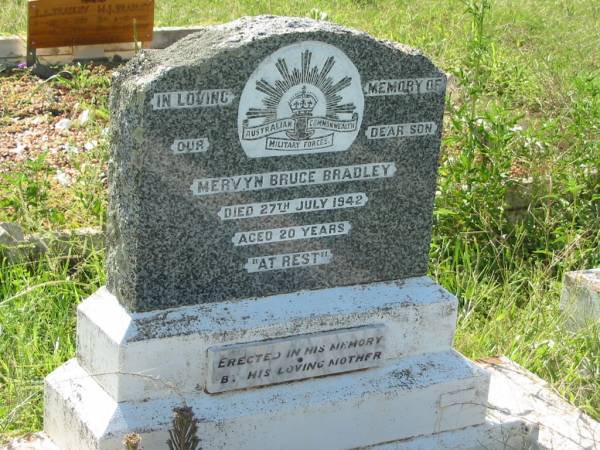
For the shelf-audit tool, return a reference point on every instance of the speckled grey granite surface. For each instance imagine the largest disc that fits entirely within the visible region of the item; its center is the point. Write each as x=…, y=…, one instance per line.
x=168, y=247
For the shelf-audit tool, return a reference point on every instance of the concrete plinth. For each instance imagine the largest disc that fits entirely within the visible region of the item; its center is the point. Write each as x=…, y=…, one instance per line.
x=139, y=356
x=133, y=370
x=419, y=395
x=136, y=375
x=523, y=413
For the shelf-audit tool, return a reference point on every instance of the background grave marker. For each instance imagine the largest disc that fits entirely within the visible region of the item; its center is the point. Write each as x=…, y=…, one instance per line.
x=62, y=23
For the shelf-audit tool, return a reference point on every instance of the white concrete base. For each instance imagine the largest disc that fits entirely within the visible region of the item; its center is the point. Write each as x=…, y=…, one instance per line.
x=134, y=369
x=523, y=413
x=418, y=395
x=139, y=356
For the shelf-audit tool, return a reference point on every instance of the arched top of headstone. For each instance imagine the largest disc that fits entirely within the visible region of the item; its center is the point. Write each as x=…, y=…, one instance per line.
x=217, y=40
x=268, y=155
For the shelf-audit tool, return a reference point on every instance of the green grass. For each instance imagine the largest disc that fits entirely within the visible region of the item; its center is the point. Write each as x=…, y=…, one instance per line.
x=37, y=320
x=524, y=103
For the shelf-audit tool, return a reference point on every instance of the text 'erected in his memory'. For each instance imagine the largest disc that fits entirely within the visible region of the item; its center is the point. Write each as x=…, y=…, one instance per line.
x=240, y=366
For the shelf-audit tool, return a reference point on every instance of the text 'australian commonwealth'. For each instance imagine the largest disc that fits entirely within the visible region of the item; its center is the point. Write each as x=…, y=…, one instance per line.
x=292, y=178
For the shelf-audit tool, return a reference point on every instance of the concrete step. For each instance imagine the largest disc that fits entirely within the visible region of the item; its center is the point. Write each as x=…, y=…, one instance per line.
x=143, y=355
x=418, y=395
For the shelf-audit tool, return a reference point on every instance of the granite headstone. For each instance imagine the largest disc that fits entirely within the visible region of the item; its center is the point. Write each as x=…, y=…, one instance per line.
x=268, y=156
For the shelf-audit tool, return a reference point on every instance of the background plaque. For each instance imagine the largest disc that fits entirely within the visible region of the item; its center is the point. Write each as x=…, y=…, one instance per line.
x=63, y=23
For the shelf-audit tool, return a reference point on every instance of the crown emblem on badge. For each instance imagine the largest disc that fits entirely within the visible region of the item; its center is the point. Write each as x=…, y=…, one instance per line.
x=303, y=103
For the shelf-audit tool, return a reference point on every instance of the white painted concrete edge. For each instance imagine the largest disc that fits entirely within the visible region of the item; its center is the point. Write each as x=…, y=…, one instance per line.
x=518, y=393
x=13, y=49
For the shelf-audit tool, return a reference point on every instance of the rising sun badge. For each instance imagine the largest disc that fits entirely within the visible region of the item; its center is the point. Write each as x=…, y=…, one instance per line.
x=304, y=98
